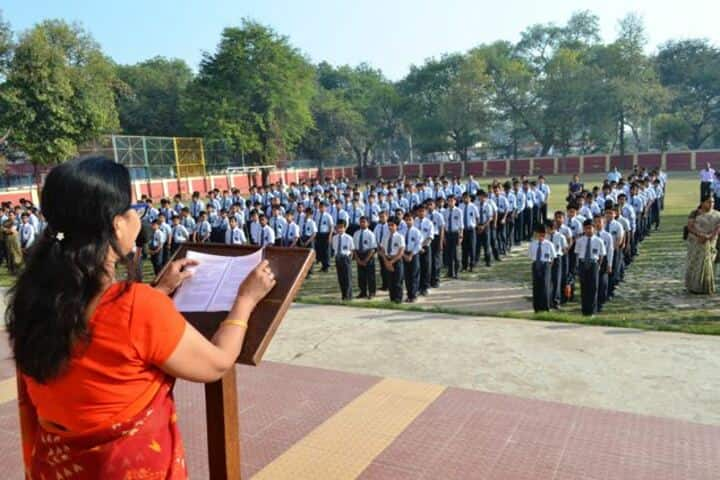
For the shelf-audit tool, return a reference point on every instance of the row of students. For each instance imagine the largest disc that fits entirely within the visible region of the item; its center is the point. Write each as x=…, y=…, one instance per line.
x=592, y=246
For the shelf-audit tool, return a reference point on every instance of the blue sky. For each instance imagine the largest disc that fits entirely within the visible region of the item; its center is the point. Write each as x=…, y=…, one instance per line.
x=389, y=34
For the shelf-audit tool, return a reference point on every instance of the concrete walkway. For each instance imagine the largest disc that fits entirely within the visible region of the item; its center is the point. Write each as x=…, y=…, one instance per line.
x=663, y=374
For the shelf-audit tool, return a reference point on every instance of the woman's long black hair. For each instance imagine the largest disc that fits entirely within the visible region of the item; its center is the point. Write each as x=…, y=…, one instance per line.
x=64, y=270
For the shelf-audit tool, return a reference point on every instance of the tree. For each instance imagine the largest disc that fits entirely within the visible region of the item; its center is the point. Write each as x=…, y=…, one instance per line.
x=150, y=105
x=691, y=70
x=630, y=85
x=334, y=120
x=372, y=106
x=6, y=46
x=253, y=93
x=59, y=92
x=449, y=103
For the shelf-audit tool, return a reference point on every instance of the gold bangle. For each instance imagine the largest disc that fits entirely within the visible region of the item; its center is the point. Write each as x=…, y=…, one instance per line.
x=238, y=323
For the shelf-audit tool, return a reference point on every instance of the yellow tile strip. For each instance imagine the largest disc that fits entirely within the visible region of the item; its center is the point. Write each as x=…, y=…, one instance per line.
x=8, y=390
x=345, y=444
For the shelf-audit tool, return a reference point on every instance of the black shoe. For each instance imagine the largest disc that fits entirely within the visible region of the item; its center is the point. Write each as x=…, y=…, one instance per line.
x=424, y=293
x=362, y=296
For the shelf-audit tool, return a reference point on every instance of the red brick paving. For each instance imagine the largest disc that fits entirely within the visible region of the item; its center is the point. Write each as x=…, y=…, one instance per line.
x=464, y=434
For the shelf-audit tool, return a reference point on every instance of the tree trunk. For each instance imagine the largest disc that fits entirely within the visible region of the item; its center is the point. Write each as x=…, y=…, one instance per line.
x=621, y=134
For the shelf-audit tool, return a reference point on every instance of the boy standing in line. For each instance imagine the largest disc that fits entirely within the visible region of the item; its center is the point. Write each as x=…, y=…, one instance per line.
x=342, y=247
x=589, y=250
x=392, y=256
x=542, y=253
x=365, y=248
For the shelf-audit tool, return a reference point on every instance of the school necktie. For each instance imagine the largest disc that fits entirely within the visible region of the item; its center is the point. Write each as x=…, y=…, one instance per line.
x=287, y=235
x=407, y=239
x=587, y=249
x=538, y=254
x=380, y=236
x=450, y=229
x=482, y=216
x=607, y=227
x=360, y=242
x=467, y=215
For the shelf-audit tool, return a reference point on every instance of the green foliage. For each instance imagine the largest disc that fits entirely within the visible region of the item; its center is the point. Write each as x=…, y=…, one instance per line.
x=58, y=93
x=254, y=93
x=448, y=102
x=691, y=70
x=149, y=103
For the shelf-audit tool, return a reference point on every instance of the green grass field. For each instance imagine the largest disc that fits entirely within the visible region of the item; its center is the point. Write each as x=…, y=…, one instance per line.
x=652, y=296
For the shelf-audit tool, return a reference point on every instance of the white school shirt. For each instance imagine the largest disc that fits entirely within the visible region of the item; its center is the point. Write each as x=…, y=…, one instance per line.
x=292, y=232
x=597, y=247
x=470, y=214
x=278, y=225
x=267, y=236
x=575, y=226
x=158, y=239
x=180, y=233
x=203, y=228
x=548, y=251
x=413, y=240
x=559, y=240
x=427, y=229
x=189, y=223
x=309, y=228
x=167, y=230
x=255, y=229
x=438, y=220
x=235, y=236
x=393, y=243
x=609, y=245
x=615, y=229
x=454, y=219
x=382, y=232
x=325, y=223
x=27, y=235
x=342, y=245
x=485, y=211
x=368, y=240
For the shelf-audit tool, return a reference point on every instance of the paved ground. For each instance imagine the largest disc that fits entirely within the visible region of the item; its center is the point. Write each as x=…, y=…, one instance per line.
x=307, y=423
x=567, y=401
x=664, y=374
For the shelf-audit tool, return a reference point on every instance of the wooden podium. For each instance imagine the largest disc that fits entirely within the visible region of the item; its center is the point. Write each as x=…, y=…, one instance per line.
x=290, y=266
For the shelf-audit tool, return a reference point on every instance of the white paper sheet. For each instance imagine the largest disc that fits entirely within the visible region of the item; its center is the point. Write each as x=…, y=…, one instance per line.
x=215, y=281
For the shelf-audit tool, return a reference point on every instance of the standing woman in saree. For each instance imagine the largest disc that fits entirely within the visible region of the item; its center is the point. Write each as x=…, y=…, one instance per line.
x=97, y=356
x=703, y=228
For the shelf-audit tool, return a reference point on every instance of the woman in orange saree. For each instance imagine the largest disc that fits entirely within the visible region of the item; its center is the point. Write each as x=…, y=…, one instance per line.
x=97, y=357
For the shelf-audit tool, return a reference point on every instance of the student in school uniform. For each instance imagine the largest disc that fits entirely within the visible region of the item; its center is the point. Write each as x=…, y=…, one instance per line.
x=234, y=234
x=167, y=230
x=202, y=229
x=427, y=229
x=392, y=255
x=382, y=232
x=589, y=251
x=365, y=248
x=411, y=258
x=267, y=234
x=254, y=228
x=453, y=235
x=482, y=231
x=12, y=246
x=559, y=241
x=437, y=243
x=354, y=211
x=325, y=228
x=520, y=207
x=617, y=231
x=605, y=267
x=278, y=224
x=27, y=233
x=470, y=218
x=564, y=260
x=342, y=250
x=187, y=220
x=179, y=235
x=542, y=252
x=157, y=241
x=292, y=231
